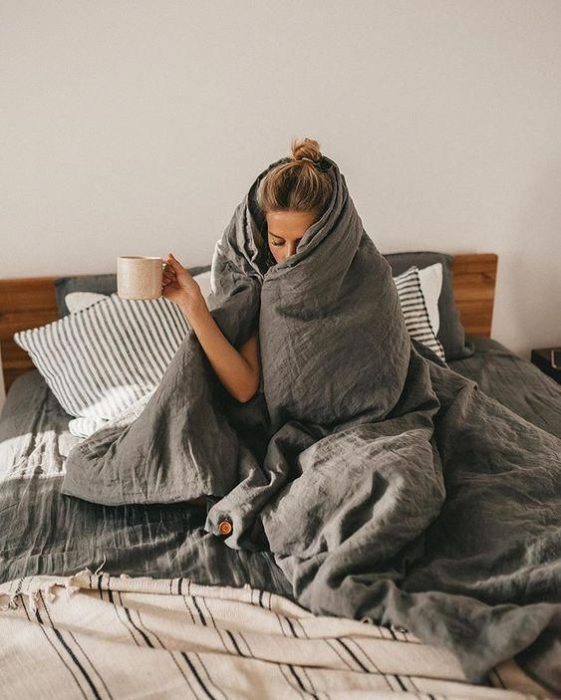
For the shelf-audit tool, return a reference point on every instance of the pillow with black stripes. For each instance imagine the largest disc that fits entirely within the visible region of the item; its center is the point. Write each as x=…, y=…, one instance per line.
x=102, y=359
x=415, y=309
x=106, y=356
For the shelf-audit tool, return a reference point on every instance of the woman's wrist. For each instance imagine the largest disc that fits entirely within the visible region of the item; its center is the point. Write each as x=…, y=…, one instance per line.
x=193, y=305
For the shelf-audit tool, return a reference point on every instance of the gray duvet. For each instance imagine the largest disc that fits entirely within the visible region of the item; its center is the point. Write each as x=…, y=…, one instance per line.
x=383, y=485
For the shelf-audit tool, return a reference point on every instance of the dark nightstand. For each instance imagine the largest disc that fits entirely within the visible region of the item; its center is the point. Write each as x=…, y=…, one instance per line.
x=542, y=359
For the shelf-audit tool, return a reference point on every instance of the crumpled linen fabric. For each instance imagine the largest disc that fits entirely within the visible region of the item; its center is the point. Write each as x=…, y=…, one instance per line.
x=384, y=485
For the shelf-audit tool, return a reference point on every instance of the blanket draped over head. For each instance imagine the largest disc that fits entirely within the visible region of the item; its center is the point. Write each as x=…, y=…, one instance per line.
x=386, y=486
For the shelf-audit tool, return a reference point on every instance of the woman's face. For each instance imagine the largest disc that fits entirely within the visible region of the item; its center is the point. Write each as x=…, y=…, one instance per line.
x=285, y=229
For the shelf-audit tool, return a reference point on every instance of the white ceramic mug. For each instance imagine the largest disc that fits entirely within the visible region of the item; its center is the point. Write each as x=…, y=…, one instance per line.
x=139, y=277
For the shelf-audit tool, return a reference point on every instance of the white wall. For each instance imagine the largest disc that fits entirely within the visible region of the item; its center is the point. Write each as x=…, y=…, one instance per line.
x=136, y=127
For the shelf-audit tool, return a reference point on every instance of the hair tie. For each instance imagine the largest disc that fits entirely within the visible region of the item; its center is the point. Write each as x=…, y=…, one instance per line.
x=322, y=164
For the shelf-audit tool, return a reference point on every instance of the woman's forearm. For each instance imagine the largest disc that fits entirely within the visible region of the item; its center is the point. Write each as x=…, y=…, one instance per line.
x=233, y=370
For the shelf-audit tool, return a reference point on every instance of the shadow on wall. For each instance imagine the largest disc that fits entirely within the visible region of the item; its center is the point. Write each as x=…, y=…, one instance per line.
x=528, y=300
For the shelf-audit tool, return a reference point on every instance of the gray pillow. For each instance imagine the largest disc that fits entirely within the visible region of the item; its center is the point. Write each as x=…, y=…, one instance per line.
x=451, y=332
x=100, y=284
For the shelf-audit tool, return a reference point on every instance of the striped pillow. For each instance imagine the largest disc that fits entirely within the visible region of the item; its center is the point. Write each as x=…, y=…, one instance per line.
x=101, y=360
x=414, y=307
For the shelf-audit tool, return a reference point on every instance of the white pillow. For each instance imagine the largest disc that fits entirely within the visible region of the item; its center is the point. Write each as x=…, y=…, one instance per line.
x=77, y=301
x=203, y=280
x=431, y=284
x=102, y=359
x=415, y=312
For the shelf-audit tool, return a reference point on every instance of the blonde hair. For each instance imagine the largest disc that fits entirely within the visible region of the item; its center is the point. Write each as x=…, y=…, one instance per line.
x=296, y=185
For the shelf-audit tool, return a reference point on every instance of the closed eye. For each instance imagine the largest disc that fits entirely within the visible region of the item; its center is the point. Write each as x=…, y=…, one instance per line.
x=279, y=241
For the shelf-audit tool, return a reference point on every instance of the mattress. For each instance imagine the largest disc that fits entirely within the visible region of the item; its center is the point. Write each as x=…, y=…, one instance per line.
x=515, y=382
x=46, y=532
x=49, y=533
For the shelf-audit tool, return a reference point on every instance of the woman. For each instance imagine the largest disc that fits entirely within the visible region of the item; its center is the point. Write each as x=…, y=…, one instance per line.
x=292, y=197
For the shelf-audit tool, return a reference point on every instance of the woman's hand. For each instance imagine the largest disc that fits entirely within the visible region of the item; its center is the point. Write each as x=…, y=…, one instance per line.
x=239, y=372
x=179, y=286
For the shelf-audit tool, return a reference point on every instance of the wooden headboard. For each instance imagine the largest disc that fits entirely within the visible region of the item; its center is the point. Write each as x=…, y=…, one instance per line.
x=27, y=302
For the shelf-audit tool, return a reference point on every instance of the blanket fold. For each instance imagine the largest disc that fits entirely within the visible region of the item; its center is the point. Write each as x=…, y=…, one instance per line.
x=385, y=485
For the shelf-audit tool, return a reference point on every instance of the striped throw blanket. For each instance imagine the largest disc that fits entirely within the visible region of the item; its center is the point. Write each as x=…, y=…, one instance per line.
x=99, y=636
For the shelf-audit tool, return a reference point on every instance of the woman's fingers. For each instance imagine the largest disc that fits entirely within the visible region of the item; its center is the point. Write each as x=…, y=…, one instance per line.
x=174, y=263
x=178, y=275
x=169, y=275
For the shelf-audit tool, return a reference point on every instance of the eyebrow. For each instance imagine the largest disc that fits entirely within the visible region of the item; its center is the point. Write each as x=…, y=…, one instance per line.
x=276, y=235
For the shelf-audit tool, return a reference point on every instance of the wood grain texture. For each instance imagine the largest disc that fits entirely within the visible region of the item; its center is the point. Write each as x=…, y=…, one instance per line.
x=25, y=302
x=28, y=302
x=474, y=291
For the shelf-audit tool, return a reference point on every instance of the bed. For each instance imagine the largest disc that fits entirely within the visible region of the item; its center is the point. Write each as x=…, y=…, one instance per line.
x=81, y=606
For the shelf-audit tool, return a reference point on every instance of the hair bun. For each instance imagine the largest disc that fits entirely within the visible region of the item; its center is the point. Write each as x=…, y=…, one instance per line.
x=306, y=149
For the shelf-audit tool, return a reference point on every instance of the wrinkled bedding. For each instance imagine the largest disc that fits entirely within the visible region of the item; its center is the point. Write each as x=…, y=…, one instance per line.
x=514, y=382
x=118, y=637
x=34, y=432
x=35, y=441
x=45, y=532
x=385, y=486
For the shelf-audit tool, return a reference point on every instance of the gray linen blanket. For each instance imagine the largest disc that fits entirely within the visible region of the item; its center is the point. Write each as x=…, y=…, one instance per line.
x=385, y=485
